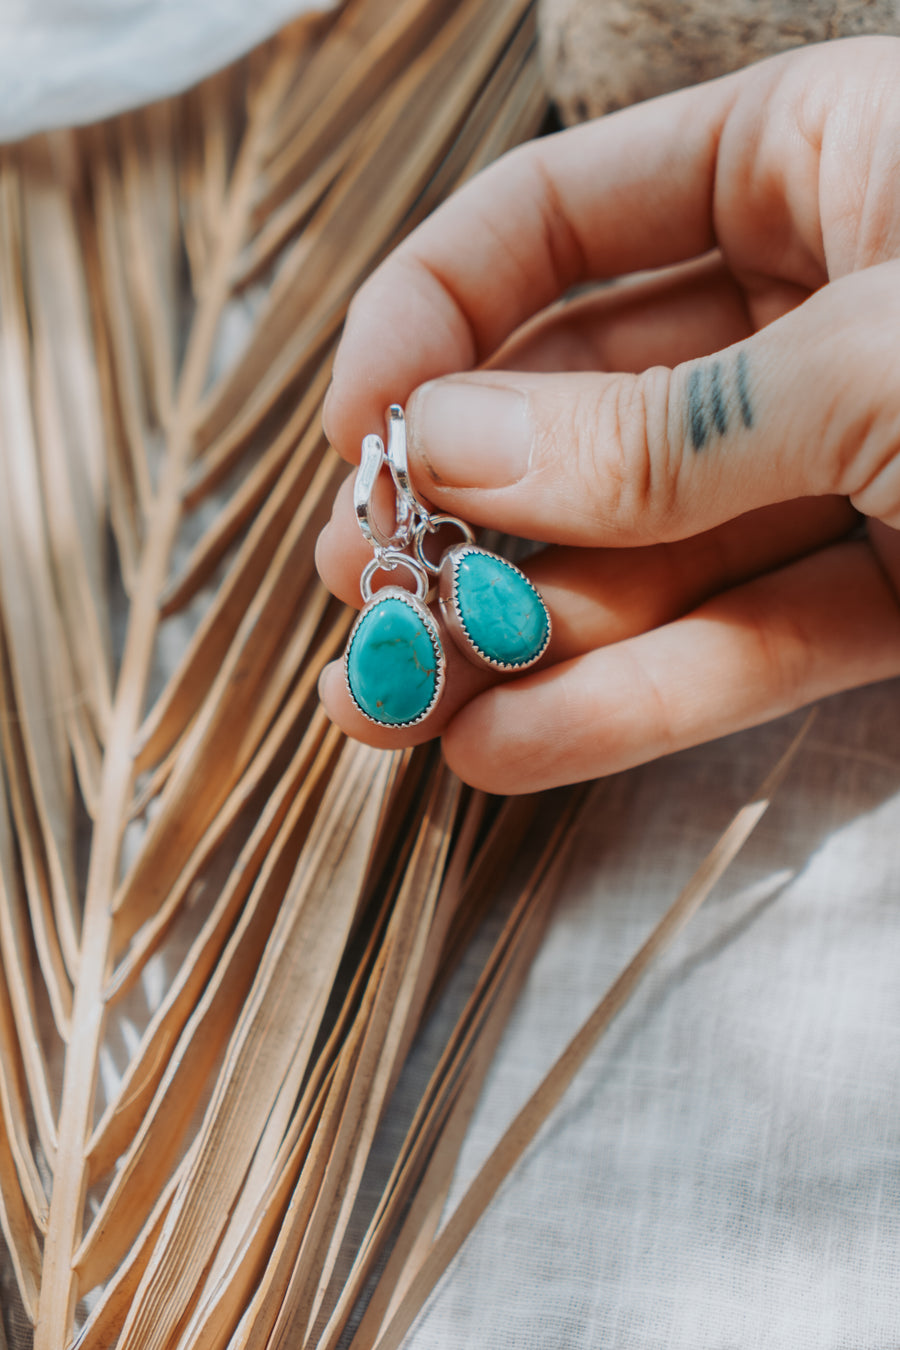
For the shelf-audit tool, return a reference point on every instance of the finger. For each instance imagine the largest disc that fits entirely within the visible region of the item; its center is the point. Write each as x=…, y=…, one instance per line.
x=885, y=544
x=654, y=583
x=805, y=407
x=609, y=595
x=745, y=163
x=601, y=596
x=665, y=318
x=341, y=551
x=518, y=236
x=827, y=623
x=677, y=315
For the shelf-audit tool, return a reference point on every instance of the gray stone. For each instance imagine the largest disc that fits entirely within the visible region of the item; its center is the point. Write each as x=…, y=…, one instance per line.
x=599, y=55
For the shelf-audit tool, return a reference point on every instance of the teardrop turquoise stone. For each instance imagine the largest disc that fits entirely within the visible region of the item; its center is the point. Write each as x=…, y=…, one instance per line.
x=392, y=664
x=502, y=612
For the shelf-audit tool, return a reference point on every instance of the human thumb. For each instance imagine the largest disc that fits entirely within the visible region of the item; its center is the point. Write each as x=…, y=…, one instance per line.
x=809, y=405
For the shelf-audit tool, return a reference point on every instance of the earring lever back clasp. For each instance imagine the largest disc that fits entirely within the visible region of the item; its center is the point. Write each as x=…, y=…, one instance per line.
x=398, y=463
x=371, y=463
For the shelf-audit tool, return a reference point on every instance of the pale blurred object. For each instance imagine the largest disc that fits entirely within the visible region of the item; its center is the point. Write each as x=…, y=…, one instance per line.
x=599, y=55
x=74, y=61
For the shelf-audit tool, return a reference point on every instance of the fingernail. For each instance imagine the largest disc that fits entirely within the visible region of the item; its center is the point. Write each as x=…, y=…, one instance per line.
x=468, y=434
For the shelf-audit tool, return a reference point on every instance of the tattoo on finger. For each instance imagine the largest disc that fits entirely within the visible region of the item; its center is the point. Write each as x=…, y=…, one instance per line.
x=719, y=395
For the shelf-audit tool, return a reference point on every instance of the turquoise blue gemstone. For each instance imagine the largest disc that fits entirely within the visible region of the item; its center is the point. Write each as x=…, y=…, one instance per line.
x=502, y=612
x=392, y=664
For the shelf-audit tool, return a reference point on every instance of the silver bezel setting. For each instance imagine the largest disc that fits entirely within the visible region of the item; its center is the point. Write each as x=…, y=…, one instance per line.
x=448, y=598
x=424, y=613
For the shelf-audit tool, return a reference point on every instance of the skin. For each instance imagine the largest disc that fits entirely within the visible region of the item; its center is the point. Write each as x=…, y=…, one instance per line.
x=710, y=447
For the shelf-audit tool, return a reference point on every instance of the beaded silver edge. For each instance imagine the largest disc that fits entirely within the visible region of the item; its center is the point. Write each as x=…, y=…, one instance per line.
x=398, y=593
x=452, y=612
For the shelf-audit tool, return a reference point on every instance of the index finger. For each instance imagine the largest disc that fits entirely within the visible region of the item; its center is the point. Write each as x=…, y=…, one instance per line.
x=631, y=191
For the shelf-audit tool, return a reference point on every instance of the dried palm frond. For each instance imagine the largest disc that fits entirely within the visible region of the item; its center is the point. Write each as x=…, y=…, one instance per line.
x=221, y=926
x=174, y=809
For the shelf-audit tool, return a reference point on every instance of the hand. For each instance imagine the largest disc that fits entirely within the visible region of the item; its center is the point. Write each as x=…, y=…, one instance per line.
x=698, y=447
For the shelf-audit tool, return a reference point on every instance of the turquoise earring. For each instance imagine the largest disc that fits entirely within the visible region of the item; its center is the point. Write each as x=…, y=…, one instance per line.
x=493, y=613
x=394, y=662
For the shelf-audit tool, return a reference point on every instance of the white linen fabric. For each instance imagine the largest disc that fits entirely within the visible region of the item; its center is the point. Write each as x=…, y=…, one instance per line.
x=74, y=61
x=724, y=1174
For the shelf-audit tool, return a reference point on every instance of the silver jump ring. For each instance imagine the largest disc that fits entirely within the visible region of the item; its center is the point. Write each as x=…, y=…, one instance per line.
x=429, y=526
x=387, y=560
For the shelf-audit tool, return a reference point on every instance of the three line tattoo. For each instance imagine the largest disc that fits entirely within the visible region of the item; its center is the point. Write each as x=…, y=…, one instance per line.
x=716, y=392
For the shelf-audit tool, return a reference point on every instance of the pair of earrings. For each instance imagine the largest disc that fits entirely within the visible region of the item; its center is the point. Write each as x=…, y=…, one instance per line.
x=394, y=665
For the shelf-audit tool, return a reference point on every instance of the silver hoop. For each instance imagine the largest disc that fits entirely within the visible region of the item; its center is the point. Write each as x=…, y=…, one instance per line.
x=398, y=463
x=370, y=466
x=387, y=560
x=430, y=526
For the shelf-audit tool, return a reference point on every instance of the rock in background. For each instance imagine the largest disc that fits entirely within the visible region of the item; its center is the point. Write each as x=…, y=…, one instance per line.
x=599, y=55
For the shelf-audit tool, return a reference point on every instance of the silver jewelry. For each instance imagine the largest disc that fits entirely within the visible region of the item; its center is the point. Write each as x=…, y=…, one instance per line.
x=493, y=613
x=394, y=662
x=394, y=665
